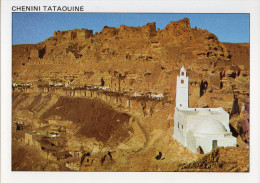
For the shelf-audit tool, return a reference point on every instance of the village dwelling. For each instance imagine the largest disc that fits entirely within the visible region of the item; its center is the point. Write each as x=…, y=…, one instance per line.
x=199, y=129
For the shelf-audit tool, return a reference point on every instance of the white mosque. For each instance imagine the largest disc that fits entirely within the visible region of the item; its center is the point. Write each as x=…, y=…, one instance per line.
x=199, y=128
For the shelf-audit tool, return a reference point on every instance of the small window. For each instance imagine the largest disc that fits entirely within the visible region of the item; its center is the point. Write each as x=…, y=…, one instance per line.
x=182, y=73
x=182, y=81
x=178, y=125
x=181, y=126
x=180, y=104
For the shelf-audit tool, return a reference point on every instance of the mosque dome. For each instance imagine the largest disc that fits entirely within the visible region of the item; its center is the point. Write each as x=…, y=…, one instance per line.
x=205, y=112
x=209, y=126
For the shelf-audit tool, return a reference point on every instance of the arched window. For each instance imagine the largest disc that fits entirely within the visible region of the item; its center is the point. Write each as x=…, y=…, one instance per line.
x=182, y=73
x=182, y=81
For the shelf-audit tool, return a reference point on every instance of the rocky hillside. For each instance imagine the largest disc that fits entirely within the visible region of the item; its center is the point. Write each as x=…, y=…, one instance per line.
x=94, y=127
x=115, y=90
x=220, y=160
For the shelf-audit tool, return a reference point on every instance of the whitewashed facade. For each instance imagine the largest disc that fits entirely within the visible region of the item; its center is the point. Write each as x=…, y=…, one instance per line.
x=204, y=128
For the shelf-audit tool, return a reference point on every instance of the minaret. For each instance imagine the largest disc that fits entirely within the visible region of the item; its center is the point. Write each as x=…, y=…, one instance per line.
x=182, y=90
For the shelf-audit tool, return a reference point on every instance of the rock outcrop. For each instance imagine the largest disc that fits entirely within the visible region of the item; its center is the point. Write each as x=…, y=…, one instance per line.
x=220, y=160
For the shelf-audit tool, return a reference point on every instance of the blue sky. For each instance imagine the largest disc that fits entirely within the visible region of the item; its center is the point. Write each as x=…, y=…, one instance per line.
x=31, y=28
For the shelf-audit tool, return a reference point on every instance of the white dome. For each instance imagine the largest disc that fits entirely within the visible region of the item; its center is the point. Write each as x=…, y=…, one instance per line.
x=209, y=126
x=205, y=112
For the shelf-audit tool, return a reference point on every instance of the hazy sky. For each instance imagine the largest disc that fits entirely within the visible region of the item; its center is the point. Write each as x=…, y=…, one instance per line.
x=36, y=27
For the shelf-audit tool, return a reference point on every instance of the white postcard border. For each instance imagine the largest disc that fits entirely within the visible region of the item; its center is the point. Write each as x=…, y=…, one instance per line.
x=199, y=6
